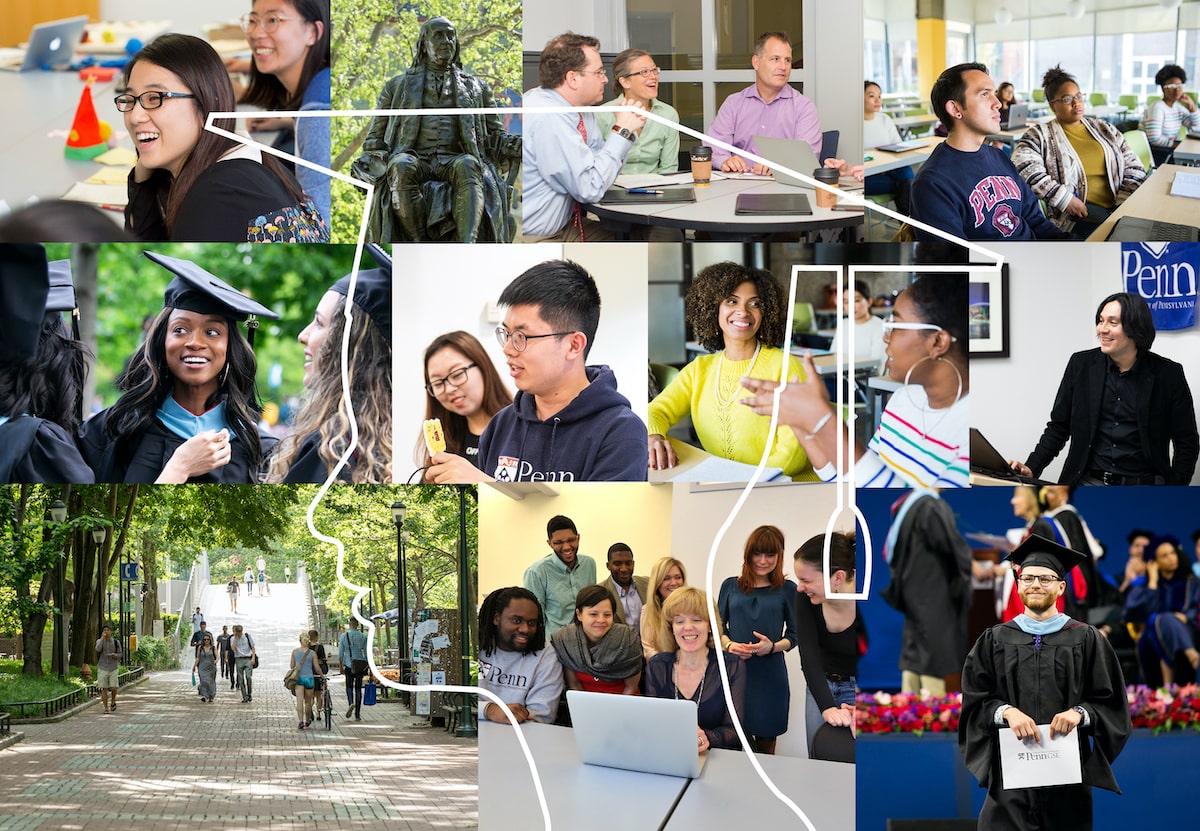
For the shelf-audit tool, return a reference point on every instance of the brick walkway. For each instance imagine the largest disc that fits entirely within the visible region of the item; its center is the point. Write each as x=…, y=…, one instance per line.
x=166, y=761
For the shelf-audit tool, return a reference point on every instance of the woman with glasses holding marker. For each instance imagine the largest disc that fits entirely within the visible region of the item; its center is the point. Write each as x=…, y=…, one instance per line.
x=636, y=80
x=463, y=391
x=922, y=437
x=1080, y=167
x=190, y=184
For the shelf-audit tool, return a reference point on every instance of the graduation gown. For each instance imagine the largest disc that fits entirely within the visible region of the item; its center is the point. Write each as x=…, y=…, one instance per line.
x=149, y=453
x=33, y=450
x=309, y=467
x=931, y=573
x=1042, y=677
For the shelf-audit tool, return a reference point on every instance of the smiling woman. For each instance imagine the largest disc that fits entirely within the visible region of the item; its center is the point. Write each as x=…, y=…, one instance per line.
x=657, y=147
x=597, y=654
x=189, y=411
x=191, y=184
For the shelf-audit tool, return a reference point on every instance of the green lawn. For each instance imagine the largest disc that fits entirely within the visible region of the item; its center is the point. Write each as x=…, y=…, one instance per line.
x=15, y=687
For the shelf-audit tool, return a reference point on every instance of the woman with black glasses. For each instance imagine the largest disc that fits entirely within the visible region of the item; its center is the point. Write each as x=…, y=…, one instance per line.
x=1080, y=167
x=463, y=391
x=190, y=184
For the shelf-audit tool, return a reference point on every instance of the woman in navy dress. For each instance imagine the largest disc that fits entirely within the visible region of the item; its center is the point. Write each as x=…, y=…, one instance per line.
x=757, y=612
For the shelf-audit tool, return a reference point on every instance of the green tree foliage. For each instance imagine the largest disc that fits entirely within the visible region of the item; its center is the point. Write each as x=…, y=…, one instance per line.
x=374, y=40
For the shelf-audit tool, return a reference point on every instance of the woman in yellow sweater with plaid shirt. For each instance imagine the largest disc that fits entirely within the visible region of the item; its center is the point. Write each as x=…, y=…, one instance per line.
x=738, y=314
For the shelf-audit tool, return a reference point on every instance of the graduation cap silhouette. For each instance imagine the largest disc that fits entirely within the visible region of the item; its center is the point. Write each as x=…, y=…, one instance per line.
x=24, y=288
x=1036, y=550
x=62, y=293
x=373, y=292
x=196, y=290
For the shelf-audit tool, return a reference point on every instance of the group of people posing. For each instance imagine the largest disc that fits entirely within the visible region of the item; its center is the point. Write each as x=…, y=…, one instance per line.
x=635, y=635
x=189, y=409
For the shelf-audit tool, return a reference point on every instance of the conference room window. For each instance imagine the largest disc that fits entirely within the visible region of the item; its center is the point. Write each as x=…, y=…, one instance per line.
x=1007, y=61
x=1074, y=53
x=875, y=60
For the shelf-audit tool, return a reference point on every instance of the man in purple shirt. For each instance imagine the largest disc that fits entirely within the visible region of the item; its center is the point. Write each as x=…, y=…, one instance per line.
x=769, y=107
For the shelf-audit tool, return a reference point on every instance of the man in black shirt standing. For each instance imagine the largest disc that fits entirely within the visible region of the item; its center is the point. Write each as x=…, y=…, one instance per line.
x=1127, y=411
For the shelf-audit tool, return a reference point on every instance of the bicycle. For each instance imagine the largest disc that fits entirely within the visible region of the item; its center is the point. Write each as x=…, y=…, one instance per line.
x=326, y=704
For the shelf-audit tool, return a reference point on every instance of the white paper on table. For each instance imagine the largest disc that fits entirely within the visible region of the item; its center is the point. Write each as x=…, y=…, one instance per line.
x=109, y=176
x=110, y=196
x=1026, y=764
x=717, y=469
x=1186, y=184
x=119, y=156
x=649, y=180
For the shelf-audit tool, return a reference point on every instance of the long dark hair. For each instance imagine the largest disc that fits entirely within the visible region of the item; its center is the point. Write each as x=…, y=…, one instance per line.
x=495, y=604
x=841, y=553
x=495, y=395
x=267, y=91
x=49, y=384
x=147, y=382
x=201, y=70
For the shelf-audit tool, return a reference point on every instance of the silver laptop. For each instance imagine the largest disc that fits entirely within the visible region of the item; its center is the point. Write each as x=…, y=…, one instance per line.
x=50, y=44
x=1018, y=117
x=635, y=732
x=794, y=153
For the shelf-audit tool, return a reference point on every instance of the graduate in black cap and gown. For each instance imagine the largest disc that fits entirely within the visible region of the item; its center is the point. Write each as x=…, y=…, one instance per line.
x=42, y=369
x=321, y=429
x=1042, y=668
x=190, y=410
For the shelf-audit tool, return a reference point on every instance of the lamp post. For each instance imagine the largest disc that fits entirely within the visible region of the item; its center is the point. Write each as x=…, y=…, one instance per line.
x=99, y=535
x=398, y=514
x=58, y=513
x=467, y=727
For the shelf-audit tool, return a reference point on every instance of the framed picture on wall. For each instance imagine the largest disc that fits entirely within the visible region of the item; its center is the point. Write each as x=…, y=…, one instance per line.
x=987, y=308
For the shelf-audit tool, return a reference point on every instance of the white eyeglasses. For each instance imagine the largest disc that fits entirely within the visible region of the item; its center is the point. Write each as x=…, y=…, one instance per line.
x=889, y=324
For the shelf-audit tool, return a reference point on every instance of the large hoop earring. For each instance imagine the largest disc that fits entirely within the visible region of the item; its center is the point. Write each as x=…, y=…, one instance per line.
x=907, y=375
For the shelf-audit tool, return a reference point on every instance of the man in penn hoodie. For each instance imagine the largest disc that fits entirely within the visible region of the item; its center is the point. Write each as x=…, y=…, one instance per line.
x=567, y=421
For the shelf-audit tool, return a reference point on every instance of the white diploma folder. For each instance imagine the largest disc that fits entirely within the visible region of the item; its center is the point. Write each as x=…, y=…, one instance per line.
x=1027, y=764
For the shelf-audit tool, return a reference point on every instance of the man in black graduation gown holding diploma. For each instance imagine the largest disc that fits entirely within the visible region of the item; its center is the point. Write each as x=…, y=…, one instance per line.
x=1042, y=668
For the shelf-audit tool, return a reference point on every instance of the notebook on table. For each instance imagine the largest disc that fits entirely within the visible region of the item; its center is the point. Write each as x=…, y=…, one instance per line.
x=902, y=146
x=643, y=196
x=656, y=735
x=50, y=44
x=760, y=204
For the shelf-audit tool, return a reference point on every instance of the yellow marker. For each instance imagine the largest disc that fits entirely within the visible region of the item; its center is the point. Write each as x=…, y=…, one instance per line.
x=435, y=439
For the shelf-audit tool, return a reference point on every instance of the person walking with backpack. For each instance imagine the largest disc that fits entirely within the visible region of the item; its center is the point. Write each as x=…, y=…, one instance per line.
x=352, y=653
x=245, y=657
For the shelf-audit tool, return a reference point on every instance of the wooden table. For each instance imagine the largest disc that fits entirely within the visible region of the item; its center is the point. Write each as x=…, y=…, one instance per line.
x=1152, y=200
x=908, y=124
x=1187, y=152
x=882, y=161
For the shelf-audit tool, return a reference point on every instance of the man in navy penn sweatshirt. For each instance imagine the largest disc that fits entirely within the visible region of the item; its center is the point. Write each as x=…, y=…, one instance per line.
x=967, y=187
x=567, y=421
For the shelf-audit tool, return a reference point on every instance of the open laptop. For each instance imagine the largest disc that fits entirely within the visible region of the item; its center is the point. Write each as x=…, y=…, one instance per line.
x=1141, y=229
x=50, y=44
x=902, y=146
x=635, y=732
x=794, y=153
x=987, y=461
x=1018, y=117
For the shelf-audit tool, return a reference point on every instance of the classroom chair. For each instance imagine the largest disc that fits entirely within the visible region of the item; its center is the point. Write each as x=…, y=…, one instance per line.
x=804, y=322
x=1151, y=100
x=663, y=374
x=876, y=220
x=1140, y=145
x=829, y=145
x=1098, y=99
x=1039, y=95
x=1129, y=101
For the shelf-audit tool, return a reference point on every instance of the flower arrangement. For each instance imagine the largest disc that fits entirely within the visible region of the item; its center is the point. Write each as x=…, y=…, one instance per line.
x=1161, y=710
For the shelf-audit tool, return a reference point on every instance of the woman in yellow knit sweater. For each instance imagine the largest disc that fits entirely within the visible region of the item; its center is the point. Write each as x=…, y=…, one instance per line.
x=738, y=314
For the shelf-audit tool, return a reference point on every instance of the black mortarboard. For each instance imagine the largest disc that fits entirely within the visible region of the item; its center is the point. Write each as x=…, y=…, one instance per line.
x=196, y=290
x=1039, y=551
x=373, y=292
x=23, y=290
x=62, y=293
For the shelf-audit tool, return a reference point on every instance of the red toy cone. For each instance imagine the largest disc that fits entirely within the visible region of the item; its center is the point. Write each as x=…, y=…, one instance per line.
x=85, y=141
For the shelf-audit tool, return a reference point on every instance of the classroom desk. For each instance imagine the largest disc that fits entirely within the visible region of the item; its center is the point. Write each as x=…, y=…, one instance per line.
x=689, y=458
x=907, y=124
x=1187, y=152
x=580, y=797
x=713, y=213
x=1152, y=200
x=729, y=794
x=881, y=388
x=32, y=159
x=882, y=161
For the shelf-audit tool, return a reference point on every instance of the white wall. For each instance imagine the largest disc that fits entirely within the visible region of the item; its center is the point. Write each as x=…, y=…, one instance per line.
x=188, y=18
x=1053, y=294
x=452, y=286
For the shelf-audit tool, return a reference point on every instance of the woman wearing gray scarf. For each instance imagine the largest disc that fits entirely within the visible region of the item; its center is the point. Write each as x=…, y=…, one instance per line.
x=598, y=655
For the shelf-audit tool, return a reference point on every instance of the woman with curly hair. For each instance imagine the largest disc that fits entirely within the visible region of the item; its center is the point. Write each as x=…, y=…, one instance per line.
x=667, y=575
x=738, y=314
x=321, y=432
x=190, y=409
x=463, y=391
x=192, y=184
x=42, y=370
x=1080, y=166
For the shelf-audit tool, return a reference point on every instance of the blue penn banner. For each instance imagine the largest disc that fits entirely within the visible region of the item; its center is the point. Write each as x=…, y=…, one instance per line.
x=1165, y=274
